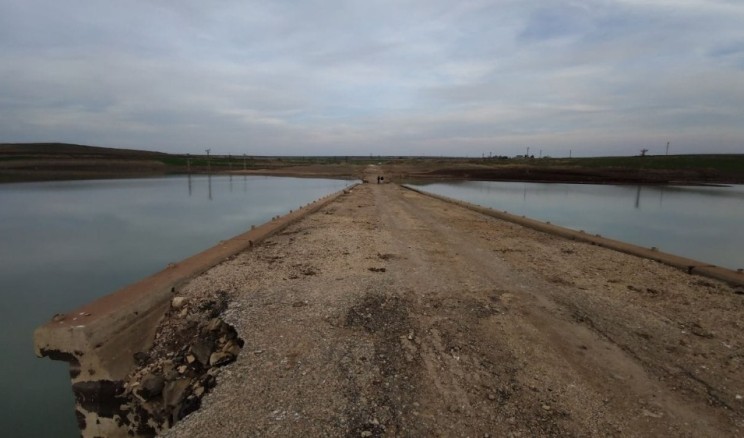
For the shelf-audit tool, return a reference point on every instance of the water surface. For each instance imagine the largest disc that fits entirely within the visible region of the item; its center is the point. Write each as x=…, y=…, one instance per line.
x=703, y=223
x=65, y=243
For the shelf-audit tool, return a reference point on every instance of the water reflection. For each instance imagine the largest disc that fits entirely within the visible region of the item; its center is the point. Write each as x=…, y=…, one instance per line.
x=638, y=198
x=659, y=189
x=704, y=223
x=211, y=192
x=66, y=243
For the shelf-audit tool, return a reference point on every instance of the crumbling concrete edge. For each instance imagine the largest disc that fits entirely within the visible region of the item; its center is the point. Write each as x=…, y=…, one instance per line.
x=690, y=266
x=99, y=339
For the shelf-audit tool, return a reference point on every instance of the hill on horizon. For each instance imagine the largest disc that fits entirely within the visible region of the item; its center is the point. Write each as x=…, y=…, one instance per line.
x=71, y=149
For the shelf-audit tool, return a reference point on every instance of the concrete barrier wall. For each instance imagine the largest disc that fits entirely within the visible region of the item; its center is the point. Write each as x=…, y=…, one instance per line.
x=688, y=265
x=99, y=339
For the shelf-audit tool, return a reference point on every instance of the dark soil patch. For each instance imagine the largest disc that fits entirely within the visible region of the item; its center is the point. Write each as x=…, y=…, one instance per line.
x=389, y=399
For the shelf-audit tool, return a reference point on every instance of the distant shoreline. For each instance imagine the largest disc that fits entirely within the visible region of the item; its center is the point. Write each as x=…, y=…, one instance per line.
x=57, y=162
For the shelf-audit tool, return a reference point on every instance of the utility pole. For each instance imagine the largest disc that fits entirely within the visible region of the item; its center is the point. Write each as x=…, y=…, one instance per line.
x=209, y=164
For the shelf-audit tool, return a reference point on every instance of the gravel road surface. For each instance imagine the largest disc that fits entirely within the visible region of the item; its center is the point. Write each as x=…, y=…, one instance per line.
x=389, y=313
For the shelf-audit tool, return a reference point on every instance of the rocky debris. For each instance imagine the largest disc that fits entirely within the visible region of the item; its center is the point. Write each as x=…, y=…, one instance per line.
x=170, y=380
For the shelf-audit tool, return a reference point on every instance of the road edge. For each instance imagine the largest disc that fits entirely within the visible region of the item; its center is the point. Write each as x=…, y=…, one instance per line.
x=688, y=265
x=99, y=339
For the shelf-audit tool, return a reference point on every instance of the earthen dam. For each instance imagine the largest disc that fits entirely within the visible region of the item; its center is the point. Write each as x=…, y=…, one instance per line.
x=382, y=311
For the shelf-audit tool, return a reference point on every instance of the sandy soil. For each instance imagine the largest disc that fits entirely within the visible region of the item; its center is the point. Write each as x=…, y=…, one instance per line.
x=389, y=313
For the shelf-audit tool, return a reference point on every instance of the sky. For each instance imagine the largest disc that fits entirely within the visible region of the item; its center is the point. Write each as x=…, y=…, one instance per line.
x=398, y=77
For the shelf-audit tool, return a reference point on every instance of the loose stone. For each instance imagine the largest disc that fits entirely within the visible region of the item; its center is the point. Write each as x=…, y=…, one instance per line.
x=175, y=391
x=220, y=358
x=202, y=349
x=178, y=302
x=151, y=386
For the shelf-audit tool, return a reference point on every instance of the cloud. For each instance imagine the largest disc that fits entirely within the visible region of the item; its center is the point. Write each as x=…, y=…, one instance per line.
x=390, y=77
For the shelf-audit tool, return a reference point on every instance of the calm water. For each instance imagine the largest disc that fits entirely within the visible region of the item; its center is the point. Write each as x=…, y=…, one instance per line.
x=703, y=223
x=63, y=244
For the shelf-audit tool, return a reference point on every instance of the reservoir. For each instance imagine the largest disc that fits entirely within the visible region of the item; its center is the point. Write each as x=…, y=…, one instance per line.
x=63, y=244
x=702, y=223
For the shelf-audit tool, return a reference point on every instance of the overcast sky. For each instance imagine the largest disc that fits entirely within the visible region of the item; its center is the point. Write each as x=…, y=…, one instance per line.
x=418, y=77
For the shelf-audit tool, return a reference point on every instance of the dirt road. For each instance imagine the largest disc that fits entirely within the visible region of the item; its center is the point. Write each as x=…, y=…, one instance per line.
x=389, y=313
